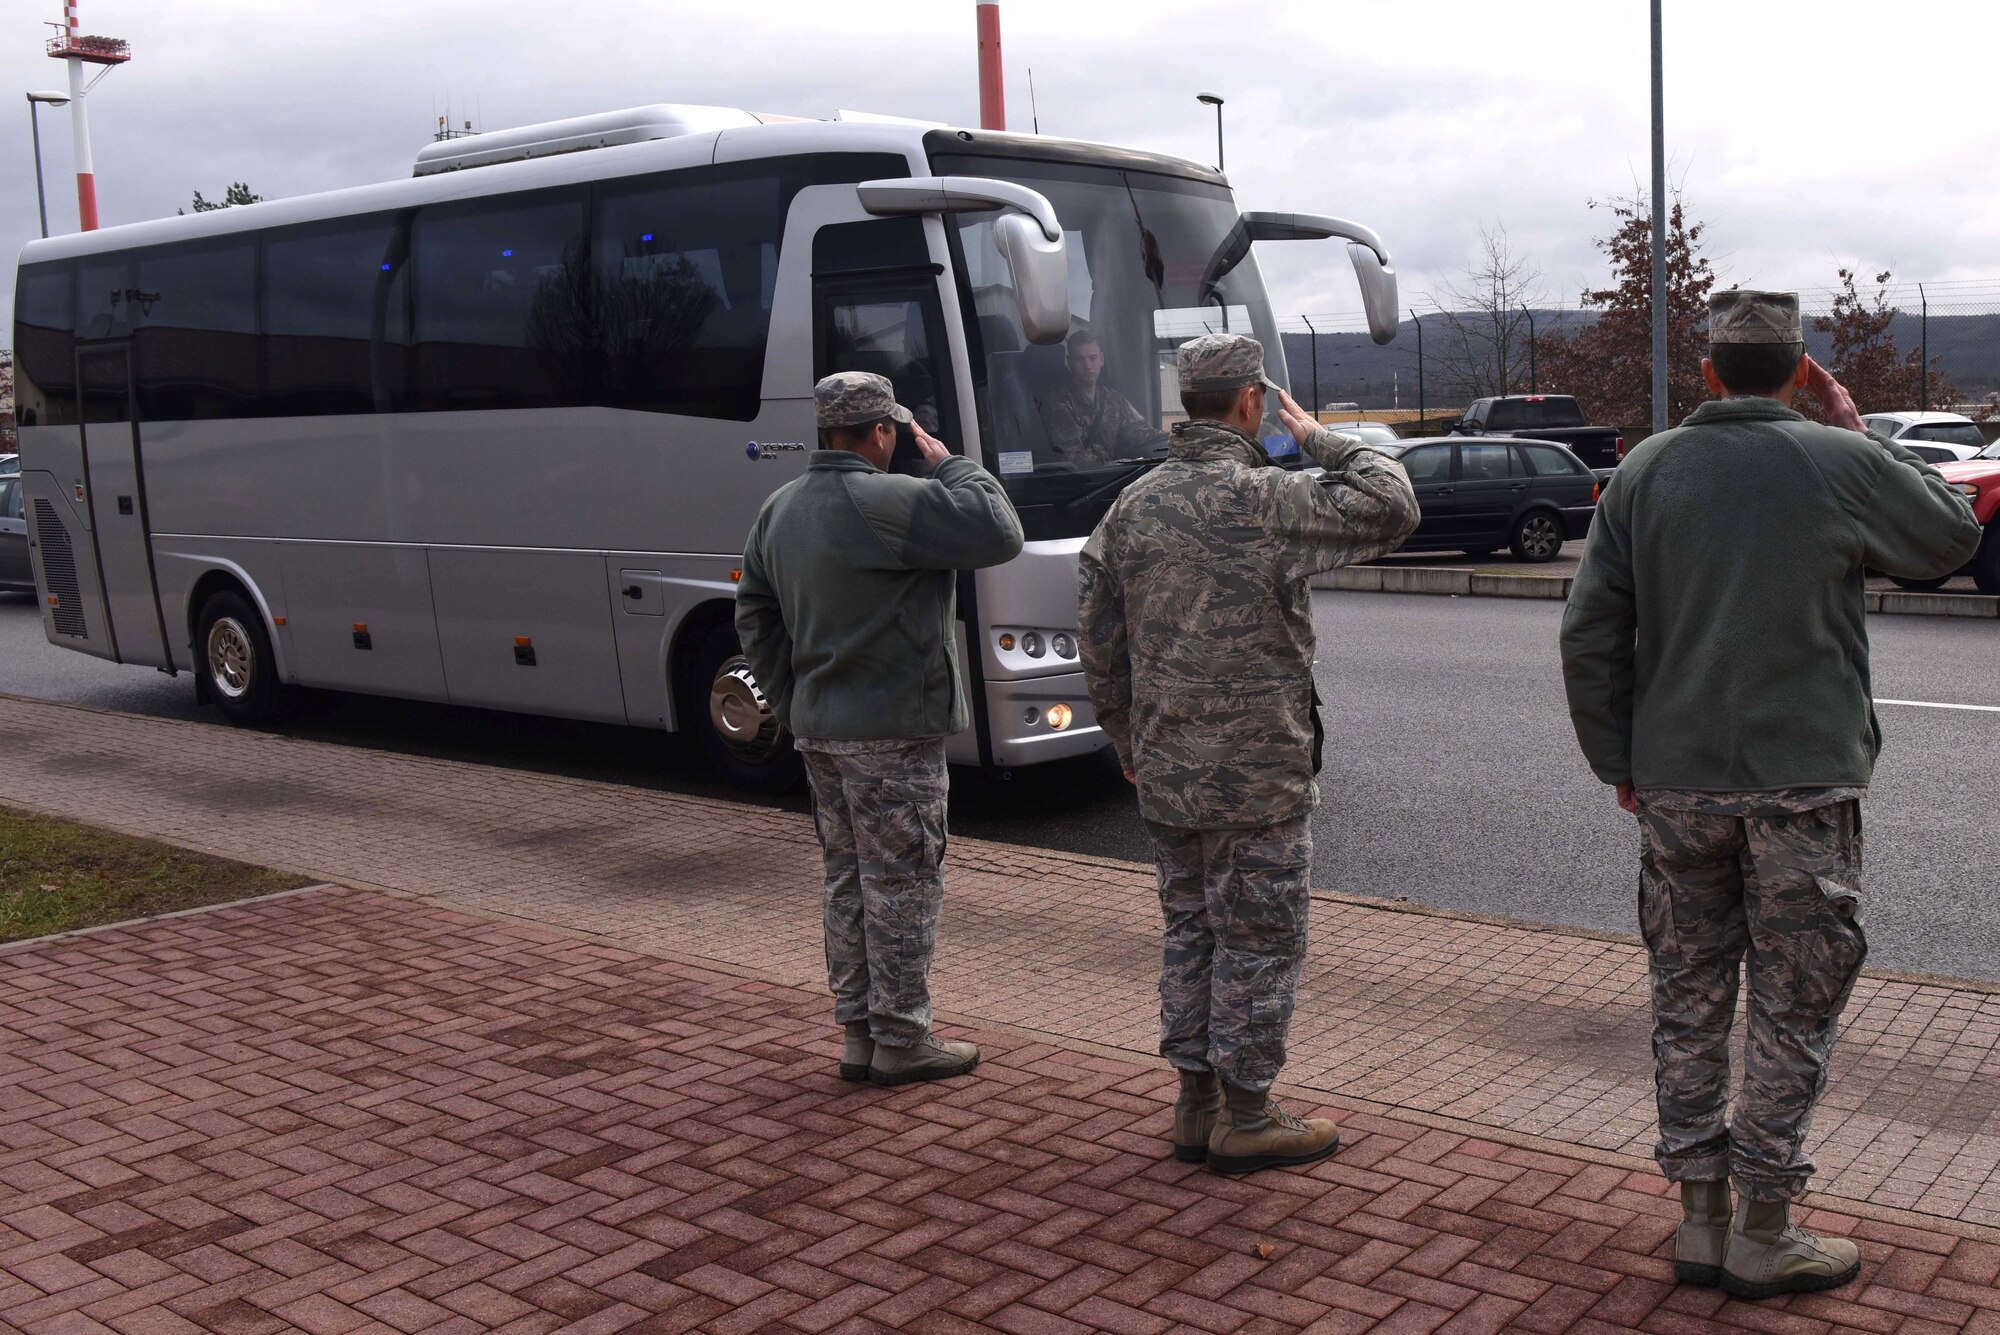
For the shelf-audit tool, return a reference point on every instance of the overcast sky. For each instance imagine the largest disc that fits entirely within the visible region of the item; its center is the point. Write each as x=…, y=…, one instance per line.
x=1807, y=135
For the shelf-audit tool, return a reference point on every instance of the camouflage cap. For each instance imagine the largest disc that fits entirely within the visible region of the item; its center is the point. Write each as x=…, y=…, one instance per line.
x=1220, y=361
x=850, y=398
x=1742, y=316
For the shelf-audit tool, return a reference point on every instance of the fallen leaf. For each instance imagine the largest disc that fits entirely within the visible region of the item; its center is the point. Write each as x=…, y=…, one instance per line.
x=1264, y=1249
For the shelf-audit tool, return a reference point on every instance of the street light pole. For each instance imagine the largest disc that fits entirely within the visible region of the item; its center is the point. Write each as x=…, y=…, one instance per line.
x=1312, y=336
x=35, y=126
x=1420, y=369
x=1210, y=99
x=1659, y=236
x=1534, y=385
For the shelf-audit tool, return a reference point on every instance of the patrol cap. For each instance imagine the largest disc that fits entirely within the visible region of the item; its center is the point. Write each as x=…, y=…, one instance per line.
x=1743, y=316
x=1220, y=361
x=850, y=398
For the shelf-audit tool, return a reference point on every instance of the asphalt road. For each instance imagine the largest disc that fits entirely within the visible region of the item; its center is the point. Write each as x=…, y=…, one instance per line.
x=1452, y=778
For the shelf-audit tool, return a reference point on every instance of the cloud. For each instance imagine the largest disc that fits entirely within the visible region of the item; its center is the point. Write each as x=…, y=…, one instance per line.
x=1424, y=118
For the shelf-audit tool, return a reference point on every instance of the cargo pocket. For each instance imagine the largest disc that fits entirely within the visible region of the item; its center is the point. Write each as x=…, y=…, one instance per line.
x=1840, y=945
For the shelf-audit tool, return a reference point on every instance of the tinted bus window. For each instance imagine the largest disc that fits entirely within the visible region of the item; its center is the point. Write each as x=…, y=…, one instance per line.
x=44, y=349
x=103, y=284
x=193, y=312
x=336, y=333
x=686, y=268
x=502, y=314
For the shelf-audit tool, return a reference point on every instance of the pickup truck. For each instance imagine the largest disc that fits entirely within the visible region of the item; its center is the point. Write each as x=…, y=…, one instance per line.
x=1545, y=417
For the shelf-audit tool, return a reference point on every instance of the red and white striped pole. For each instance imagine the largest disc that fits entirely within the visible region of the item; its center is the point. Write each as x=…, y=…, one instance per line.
x=992, y=93
x=79, y=120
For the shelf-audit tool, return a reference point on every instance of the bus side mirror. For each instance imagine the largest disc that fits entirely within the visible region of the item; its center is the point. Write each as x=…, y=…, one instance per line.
x=1027, y=235
x=1040, y=270
x=1373, y=268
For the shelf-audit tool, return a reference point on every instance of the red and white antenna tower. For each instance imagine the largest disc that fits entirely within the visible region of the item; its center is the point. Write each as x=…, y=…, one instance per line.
x=77, y=50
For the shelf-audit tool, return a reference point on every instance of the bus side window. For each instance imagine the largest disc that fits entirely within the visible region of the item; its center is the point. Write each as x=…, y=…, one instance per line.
x=686, y=269
x=194, y=317
x=504, y=317
x=326, y=287
x=891, y=328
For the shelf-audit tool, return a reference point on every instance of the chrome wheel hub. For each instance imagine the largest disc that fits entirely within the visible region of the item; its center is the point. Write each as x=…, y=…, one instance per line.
x=232, y=663
x=741, y=715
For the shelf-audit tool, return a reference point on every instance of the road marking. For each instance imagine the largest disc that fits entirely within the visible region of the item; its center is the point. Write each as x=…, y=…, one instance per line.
x=1932, y=704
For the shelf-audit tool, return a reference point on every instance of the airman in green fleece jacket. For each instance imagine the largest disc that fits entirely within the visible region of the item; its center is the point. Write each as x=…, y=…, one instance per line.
x=846, y=613
x=1715, y=652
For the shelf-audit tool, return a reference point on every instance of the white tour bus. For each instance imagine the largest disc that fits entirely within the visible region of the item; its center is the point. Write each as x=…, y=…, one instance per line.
x=494, y=435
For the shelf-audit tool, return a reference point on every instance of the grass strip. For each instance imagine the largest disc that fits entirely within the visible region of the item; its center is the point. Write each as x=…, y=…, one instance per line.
x=57, y=876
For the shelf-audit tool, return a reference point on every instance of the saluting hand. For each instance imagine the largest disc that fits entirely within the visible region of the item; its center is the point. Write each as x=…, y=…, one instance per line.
x=1296, y=419
x=929, y=446
x=1833, y=396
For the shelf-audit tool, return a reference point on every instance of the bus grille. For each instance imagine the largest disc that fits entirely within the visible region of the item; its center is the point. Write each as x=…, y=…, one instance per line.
x=59, y=569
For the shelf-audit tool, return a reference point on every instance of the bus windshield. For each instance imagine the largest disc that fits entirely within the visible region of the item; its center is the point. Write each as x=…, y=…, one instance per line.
x=1154, y=260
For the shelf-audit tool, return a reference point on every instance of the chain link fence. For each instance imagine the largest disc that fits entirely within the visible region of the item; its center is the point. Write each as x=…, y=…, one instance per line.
x=1440, y=360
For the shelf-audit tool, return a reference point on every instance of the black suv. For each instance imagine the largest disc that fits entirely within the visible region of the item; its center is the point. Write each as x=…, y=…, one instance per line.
x=1478, y=495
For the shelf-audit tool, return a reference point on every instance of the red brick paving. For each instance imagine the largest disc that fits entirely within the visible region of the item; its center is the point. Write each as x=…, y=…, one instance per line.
x=343, y=1112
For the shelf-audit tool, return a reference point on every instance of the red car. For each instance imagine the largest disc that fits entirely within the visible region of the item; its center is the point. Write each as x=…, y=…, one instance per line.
x=1979, y=478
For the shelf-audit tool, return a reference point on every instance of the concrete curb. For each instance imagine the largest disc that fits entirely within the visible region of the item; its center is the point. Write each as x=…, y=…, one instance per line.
x=1466, y=582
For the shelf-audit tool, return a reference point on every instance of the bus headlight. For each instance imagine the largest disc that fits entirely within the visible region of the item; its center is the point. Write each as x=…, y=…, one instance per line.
x=1064, y=645
x=1059, y=716
x=1031, y=645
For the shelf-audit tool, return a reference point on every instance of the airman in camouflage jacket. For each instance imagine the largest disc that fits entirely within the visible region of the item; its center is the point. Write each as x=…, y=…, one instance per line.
x=1196, y=616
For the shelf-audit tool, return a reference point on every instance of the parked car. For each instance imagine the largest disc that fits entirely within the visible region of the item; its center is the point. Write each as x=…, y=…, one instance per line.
x=15, y=574
x=1936, y=438
x=1979, y=479
x=1555, y=417
x=1371, y=433
x=1478, y=495
x=10, y=464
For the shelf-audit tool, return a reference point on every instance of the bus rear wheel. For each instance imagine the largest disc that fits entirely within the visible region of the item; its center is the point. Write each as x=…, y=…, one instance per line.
x=232, y=655
x=742, y=736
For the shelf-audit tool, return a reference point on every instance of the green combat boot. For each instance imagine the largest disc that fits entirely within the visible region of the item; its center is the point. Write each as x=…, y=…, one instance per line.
x=1767, y=1255
x=860, y=1051
x=1254, y=1133
x=929, y=1058
x=1195, y=1113
x=1704, y=1229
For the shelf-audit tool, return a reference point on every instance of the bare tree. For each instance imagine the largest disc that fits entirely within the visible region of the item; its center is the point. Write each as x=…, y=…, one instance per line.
x=1484, y=347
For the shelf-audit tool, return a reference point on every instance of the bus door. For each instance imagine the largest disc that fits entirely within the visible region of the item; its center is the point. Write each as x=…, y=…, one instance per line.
x=115, y=482
x=876, y=308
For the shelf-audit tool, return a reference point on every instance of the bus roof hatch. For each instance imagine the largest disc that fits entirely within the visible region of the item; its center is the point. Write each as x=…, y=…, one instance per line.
x=632, y=126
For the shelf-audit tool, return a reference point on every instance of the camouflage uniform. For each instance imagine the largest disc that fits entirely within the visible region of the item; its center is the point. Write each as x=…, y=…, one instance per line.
x=879, y=807
x=1197, y=638
x=846, y=613
x=1776, y=877
x=1099, y=430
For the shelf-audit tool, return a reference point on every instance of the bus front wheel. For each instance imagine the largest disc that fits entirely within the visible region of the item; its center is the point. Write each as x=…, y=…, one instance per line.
x=742, y=736
x=233, y=656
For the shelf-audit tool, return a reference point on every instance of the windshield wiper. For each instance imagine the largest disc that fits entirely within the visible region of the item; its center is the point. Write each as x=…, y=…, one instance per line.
x=1111, y=485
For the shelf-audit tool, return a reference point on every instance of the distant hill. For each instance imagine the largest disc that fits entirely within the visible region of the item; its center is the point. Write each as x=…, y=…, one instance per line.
x=1352, y=368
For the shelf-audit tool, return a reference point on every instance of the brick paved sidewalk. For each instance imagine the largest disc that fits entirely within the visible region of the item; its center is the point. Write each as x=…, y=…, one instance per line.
x=341, y=1112
x=1510, y=1030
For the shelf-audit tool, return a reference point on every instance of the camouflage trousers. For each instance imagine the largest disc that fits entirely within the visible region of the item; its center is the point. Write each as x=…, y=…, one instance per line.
x=1780, y=889
x=1235, y=906
x=879, y=807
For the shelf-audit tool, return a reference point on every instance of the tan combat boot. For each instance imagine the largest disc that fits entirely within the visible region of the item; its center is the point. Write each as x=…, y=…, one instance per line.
x=860, y=1051
x=1767, y=1255
x=1254, y=1133
x=1703, y=1232
x=1195, y=1114
x=929, y=1058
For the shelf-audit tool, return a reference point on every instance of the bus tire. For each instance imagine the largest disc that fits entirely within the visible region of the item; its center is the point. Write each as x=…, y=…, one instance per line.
x=1919, y=585
x=745, y=742
x=233, y=663
x=1986, y=561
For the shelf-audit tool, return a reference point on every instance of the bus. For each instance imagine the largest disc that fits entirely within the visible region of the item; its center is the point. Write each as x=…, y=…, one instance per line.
x=494, y=435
